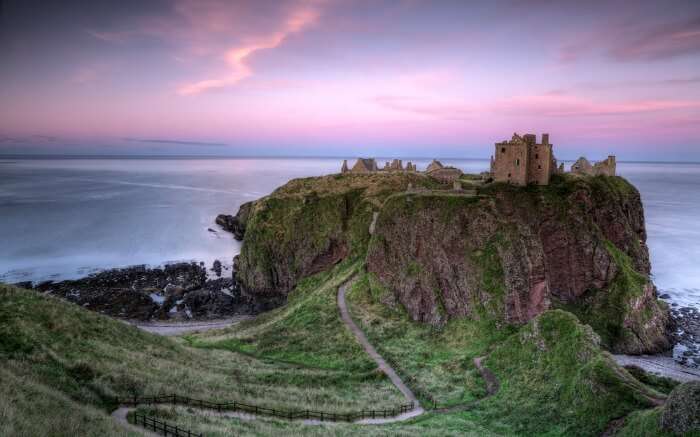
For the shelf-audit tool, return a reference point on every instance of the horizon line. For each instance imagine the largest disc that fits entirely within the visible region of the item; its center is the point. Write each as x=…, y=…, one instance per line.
x=186, y=156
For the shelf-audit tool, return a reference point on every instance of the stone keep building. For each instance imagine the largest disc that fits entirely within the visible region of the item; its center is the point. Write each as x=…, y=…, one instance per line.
x=523, y=161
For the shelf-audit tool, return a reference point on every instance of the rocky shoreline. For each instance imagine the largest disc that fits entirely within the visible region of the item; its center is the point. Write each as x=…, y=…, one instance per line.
x=178, y=292
x=687, y=336
x=182, y=292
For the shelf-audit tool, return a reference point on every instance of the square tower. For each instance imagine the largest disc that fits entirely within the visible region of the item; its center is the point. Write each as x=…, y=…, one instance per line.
x=523, y=161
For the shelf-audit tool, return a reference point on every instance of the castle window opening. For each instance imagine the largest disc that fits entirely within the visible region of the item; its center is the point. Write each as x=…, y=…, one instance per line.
x=537, y=156
x=539, y=167
x=517, y=162
x=503, y=150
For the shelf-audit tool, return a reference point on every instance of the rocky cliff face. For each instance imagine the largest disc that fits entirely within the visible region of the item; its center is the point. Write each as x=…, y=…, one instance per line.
x=508, y=253
x=307, y=226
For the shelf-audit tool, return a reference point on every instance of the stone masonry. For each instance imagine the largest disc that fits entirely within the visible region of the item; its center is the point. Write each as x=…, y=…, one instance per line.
x=523, y=161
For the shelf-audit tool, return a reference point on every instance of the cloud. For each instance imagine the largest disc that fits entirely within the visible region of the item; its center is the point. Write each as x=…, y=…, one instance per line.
x=681, y=81
x=237, y=57
x=640, y=41
x=616, y=85
x=176, y=142
x=663, y=42
x=426, y=107
x=218, y=37
x=563, y=105
x=550, y=104
x=34, y=139
x=111, y=37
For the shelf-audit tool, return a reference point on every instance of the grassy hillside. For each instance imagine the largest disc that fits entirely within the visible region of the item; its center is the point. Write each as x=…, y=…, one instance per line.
x=555, y=379
x=29, y=408
x=82, y=359
x=307, y=331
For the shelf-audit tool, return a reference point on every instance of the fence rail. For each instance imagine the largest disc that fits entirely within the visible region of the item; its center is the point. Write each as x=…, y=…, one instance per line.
x=151, y=423
x=264, y=411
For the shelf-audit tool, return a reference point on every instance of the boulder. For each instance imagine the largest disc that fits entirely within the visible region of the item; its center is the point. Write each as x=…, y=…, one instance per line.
x=681, y=413
x=209, y=304
x=235, y=224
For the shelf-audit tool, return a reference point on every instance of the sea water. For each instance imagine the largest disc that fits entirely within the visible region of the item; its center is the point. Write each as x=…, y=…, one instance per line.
x=66, y=218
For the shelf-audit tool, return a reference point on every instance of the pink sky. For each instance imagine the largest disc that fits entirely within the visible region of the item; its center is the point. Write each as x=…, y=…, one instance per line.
x=344, y=78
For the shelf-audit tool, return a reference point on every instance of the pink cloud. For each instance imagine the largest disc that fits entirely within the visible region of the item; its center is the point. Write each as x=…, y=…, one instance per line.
x=563, y=105
x=551, y=104
x=670, y=40
x=626, y=42
x=220, y=36
x=426, y=107
x=237, y=57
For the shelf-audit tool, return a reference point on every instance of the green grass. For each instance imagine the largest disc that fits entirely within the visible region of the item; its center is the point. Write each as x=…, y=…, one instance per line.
x=659, y=383
x=307, y=331
x=611, y=312
x=555, y=379
x=492, y=280
x=439, y=361
x=28, y=408
x=293, y=228
x=647, y=423
x=90, y=358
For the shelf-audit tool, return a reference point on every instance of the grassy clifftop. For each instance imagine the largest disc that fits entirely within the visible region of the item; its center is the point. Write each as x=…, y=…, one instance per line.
x=496, y=251
x=310, y=224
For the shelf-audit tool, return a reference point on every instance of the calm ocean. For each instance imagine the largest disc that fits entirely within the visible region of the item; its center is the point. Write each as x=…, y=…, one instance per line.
x=65, y=218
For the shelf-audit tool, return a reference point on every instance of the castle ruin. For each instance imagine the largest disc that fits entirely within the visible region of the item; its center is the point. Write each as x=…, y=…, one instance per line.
x=435, y=169
x=518, y=161
x=364, y=165
x=607, y=167
x=522, y=161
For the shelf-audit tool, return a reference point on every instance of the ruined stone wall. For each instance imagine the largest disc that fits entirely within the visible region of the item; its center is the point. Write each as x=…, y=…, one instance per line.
x=540, y=164
x=606, y=168
x=446, y=174
x=364, y=165
x=396, y=165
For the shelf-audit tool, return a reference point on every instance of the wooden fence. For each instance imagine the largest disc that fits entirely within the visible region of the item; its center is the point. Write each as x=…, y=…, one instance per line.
x=156, y=425
x=264, y=411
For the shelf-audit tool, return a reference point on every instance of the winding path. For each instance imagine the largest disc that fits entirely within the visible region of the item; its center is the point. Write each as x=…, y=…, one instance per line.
x=383, y=365
x=174, y=329
x=119, y=416
x=660, y=365
x=177, y=328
